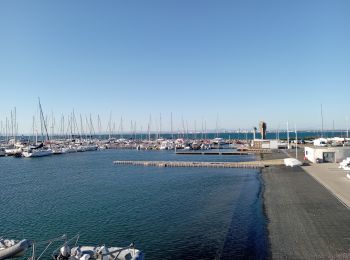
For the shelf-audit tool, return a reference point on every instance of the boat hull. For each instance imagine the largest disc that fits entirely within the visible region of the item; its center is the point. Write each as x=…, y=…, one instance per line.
x=37, y=153
x=104, y=253
x=16, y=250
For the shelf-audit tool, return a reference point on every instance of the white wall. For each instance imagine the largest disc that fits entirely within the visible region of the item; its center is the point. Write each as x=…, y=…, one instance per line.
x=310, y=154
x=341, y=153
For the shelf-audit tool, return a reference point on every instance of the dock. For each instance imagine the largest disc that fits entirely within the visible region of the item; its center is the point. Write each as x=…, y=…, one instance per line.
x=213, y=153
x=251, y=164
x=223, y=152
x=255, y=150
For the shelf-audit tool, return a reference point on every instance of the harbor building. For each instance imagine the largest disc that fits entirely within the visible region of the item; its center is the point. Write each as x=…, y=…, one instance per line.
x=330, y=154
x=268, y=144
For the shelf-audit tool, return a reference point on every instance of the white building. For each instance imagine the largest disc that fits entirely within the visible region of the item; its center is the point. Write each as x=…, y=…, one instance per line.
x=327, y=154
x=268, y=144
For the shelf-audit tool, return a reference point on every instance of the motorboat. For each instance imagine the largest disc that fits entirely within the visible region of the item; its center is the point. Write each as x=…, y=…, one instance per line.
x=10, y=248
x=71, y=250
x=68, y=149
x=99, y=253
x=166, y=145
x=13, y=151
x=57, y=150
x=86, y=148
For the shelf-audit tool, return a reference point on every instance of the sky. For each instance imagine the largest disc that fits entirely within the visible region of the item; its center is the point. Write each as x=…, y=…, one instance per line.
x=234, y=62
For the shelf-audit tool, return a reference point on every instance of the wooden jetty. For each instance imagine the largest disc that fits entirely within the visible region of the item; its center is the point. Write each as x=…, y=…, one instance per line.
x=252, y=164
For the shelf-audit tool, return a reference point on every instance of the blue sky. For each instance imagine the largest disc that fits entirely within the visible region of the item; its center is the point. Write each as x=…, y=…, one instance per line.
x=244, y=60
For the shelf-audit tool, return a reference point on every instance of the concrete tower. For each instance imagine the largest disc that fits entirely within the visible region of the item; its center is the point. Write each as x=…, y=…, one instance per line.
x=262, y=129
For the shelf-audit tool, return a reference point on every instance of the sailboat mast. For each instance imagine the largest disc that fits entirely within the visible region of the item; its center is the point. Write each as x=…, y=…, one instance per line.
x=149, y=127
x=12, y=124
x=322, y=122
x=121, y=127
x=195, y=129
x=110, y=125
x=33, y=129
x=43, y=120
x=217, y=125
x=171, y=125
x=287, y=135
x=160, y=125
x=296, y=142
x=15, y=126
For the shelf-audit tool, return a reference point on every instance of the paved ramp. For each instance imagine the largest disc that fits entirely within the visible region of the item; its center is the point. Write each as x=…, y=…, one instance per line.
x=333, y=178
x=305, y=221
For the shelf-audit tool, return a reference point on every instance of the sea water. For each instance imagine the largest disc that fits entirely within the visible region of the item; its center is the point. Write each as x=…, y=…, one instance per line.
x=170, y=213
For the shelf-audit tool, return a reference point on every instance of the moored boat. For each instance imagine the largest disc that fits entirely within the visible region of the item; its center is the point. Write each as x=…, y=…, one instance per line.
x=13, y=151
x=99, y=253
x=71, y=250
x=37, y=153
x=10, y=248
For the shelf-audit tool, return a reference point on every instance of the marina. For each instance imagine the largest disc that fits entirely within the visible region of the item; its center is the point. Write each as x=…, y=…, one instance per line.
x=174, y=130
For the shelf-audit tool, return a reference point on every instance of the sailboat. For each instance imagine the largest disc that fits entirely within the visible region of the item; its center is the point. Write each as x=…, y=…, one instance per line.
x=40, y=150
x=36, y=152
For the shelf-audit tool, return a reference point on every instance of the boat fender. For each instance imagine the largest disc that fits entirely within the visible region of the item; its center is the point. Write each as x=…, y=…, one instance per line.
x=65, y=251
x=102, y=250
x=77, y=252
x=85, y=257
x=25, y=244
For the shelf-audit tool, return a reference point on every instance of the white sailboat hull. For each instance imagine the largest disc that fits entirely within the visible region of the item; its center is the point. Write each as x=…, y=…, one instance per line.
x=37, y=153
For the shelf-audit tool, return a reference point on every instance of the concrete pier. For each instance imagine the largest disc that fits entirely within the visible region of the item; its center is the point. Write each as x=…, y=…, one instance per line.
x=305, y=221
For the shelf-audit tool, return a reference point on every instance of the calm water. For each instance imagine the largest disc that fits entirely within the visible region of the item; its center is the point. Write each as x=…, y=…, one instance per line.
x=170, y=213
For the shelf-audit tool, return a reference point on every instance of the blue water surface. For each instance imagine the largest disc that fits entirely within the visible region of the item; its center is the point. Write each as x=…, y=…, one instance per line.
x=170, y=213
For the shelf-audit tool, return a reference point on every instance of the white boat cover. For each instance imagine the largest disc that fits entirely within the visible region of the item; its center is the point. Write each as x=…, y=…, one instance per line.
x=292, y=162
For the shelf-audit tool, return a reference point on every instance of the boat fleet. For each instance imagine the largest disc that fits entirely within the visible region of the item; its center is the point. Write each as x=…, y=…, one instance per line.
x=26, y=149
x=11, y=248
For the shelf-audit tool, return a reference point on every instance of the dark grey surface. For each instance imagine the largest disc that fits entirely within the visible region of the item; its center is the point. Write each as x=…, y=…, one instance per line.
x=305, y=221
